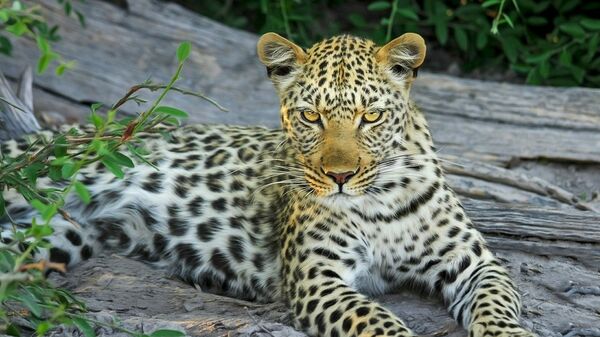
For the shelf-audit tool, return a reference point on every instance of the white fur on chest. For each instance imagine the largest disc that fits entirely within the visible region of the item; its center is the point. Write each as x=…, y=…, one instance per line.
x=388, y=246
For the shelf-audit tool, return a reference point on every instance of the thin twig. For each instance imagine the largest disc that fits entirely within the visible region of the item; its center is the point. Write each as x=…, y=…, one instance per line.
x=12, y=277
x=388, y=35
x=154, y=87
x=286, y=21
x=12, y=104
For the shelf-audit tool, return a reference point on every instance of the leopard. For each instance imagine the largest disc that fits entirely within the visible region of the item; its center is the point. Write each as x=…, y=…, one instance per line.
x=346, y=201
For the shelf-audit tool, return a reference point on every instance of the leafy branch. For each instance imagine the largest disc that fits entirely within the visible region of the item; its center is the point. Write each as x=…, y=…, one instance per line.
x=23, y=289
x=20, y=20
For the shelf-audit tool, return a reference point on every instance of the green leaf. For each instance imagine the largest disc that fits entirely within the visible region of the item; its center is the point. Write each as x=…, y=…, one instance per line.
x=84, y=326
x=4, y=15
x=40, y=231
x=7, y=261
x=508, y=20
x=43, y=327
x=42, y=44
x=172, y=121
x=18, y=28
x=379, y=5
x=510, y=45
x=44, y=61
x=67, y=170
x=461, y=38
x=68, y=8
x=95, y=106
x=113, y=167
x=573, y=29
x=534, y=77
x=97, y=121
x=110, y=115
x=482, y=39
x=591, y=24
x=46, y=211
x=171, y=111
x=30, y=302
x=441, y=31
x=577, y=73
x=80, y=18
x=565, y=57
x=516, y=4
x=408, y=13
x=490, y=3
x=60, y=69
x=60, y=146
x=139, y=154
x=5, y=46
x=54, y=173
x=538, y=57
x=123, y=160
x=183, y=51
x=166, y=333
x=592, y=47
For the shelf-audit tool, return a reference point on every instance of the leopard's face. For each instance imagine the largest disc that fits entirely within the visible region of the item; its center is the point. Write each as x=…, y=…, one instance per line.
x=344, y=103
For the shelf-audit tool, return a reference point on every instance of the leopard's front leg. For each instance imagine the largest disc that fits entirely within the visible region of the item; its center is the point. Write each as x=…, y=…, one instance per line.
x=487, y=300
x=478, y=290
x=318, y=270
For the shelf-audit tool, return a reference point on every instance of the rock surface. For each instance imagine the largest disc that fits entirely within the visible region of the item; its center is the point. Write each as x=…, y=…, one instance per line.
x=526, y=161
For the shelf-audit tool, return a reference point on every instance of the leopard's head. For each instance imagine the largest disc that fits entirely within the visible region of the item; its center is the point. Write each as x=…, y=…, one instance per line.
x=345, y=106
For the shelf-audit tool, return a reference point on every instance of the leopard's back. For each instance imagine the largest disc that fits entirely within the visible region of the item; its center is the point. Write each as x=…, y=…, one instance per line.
x=202, y=211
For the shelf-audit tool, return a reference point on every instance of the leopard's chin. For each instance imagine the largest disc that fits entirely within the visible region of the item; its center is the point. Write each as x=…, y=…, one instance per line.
x=343, y=193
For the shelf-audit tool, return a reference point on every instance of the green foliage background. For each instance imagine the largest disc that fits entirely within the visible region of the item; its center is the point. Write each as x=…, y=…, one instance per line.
x=549, y=42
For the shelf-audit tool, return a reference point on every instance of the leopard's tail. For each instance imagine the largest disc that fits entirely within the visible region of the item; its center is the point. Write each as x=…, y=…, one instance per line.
x=123, y=223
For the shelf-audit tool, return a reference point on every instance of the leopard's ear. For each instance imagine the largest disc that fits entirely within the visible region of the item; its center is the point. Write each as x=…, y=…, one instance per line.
x=281, y=57
x=403, y=56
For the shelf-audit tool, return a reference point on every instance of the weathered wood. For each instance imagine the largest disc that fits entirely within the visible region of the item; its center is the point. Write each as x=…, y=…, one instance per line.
x=495, y=174
x=499, y=122
x=538, y=228
x=16, y=110
x=114, y=286
x=540, y=231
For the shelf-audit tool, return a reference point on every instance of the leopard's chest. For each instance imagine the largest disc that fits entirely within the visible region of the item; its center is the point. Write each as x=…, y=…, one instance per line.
x=393, y=249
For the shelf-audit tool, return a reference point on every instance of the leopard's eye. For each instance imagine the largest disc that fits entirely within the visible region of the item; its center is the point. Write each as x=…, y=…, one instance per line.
x=372, y=117
x=311, y=116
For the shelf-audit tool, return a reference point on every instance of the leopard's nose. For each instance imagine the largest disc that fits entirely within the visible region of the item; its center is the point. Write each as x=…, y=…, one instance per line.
x=340, y=178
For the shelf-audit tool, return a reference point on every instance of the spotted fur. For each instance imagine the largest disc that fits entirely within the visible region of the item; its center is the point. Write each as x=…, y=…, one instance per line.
x=348, y=202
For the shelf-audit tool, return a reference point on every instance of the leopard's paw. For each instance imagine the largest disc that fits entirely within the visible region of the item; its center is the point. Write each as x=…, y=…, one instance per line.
x=498, y=330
